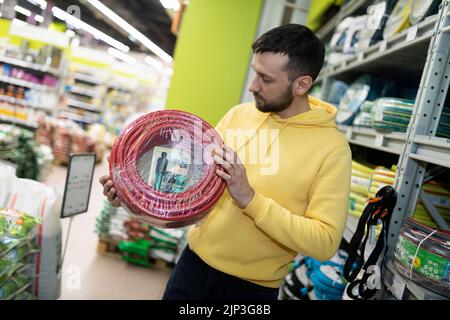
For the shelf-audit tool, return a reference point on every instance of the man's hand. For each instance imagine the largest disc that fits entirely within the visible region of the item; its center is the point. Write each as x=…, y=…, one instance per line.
x=109, y=190
x=234, y=175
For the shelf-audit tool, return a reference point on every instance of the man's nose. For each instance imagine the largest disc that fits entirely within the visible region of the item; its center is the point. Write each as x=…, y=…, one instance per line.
x=253, y=86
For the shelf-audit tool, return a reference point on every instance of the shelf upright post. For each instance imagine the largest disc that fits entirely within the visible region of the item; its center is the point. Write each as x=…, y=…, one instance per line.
x=424, y=122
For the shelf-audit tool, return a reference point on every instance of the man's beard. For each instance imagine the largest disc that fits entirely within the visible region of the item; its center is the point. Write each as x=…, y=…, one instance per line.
x=274, y=106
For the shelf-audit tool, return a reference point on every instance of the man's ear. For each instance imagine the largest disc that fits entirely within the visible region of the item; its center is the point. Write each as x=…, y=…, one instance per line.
x=302, y=85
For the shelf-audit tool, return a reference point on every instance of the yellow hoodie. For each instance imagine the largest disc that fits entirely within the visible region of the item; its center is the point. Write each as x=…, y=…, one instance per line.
x=302, y=182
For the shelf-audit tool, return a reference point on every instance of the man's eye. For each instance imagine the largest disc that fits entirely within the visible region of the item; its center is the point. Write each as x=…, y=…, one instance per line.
x=267, y=80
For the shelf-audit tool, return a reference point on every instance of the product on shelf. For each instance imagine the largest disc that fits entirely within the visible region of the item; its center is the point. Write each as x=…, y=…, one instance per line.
x=438, y=194
x=364, y=118
x=392, y=114
x=362, y=89
x=19, y=147
x=39, y=202
x=422, y=254
x=138, y=242
x=159, y=178
x=398, y=19
x=312, y=279
x=64, y=137
x=420, y=9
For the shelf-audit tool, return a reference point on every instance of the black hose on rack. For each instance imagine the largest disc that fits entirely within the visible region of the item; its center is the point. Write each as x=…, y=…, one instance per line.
x=379, y=209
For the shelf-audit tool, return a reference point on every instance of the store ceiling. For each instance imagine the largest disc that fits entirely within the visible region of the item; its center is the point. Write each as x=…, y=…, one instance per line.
x=147, y=16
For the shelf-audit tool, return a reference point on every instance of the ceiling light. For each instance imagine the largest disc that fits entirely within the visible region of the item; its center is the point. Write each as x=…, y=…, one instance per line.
x=39, y=18
x=22, y=11
x=171, y=4
x=77, y=23
x=131, y=30
x=122, y=56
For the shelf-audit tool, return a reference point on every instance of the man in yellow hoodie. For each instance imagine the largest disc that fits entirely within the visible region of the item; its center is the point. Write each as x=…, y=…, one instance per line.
x=287, y=170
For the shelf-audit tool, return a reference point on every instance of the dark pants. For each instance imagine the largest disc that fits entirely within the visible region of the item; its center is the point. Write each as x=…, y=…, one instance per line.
x=194, y=279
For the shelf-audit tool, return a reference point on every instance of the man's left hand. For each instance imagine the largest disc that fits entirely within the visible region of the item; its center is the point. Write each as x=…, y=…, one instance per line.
x=234, y=175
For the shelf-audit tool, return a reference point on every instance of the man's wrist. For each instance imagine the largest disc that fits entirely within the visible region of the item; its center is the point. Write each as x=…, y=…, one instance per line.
x=246, y=201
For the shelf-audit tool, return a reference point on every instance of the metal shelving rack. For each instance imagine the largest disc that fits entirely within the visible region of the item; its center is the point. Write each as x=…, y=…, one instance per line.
x=423, y=52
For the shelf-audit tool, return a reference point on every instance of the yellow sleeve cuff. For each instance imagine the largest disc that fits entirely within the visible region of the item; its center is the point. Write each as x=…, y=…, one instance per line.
x=257, y=207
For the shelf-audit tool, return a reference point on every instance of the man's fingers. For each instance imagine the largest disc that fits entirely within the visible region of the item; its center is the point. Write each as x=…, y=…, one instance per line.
x=111, y=194
x=223, y=175
x=103, y=179
x=222, y=163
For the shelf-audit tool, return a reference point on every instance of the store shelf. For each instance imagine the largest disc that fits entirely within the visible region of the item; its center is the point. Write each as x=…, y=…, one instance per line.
x=370, y=138
x=432, y=150
x=87, y=78
x=24, y=103
x=404, y=288
x=84, y=91
x=26, y=84
x=19, y=122
x=403, y=54
x=83, y=105
x=29, y=65
x=76, y=117
x=347, y=9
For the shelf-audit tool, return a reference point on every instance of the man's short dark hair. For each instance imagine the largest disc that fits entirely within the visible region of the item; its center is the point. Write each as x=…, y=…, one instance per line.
x=305, y=51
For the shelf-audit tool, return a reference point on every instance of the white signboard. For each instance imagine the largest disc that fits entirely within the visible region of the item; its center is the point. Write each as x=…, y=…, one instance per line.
x=78, y=184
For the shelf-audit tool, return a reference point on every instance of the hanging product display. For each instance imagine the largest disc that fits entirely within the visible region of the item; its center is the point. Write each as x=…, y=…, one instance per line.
x=379, y=209
x=162, y=168
x=423, y=255
x=398, y=20
x=420, y=9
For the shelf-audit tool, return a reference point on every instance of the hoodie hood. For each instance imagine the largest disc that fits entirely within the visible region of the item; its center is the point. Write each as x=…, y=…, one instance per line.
x=322, y=114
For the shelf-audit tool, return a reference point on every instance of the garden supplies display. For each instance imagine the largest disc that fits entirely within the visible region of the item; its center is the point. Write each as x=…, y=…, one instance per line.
x=17, y=230
x=364, y=88
x=110, y=222
x=380, y=178
x=18, y=147
x=420, y=9
x=391, y=114
x=64, y=137
x=398, y=19
x=138, y=242
x=162, y=168
x=423, y=255
x=43, y=203
x=378, y=210
x=394, y=114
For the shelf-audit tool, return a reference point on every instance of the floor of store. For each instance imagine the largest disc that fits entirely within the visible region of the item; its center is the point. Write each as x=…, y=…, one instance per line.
x=87, y=274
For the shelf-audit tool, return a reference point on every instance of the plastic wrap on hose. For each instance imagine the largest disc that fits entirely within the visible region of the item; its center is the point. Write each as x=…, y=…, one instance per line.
x=422, y=254
x=392, y=114
x=162, y=168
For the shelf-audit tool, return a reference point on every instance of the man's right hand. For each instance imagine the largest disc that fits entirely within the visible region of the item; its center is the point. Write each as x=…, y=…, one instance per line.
x=109, y=190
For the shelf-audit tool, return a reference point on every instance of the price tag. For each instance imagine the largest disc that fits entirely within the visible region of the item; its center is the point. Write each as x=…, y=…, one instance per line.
x=379, y=139
x=78, y=184
x=383, y=46
x=412, y=33
x=398, y=287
